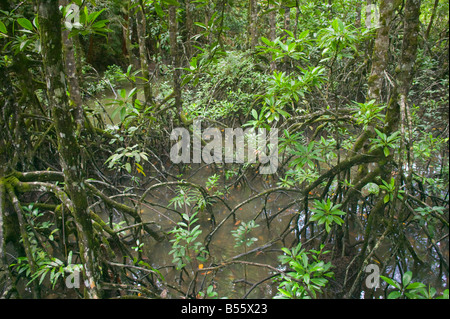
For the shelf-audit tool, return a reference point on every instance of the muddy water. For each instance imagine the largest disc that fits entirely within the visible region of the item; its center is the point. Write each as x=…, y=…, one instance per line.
x=235, y=280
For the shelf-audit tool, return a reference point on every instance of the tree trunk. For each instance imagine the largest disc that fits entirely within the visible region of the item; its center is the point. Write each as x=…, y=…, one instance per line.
x=368, y=14
x=405, y=72
x=410, y=45
x=141, y=23
x=381, y=49
x=129, y=36
x=79, y=58
x=297, y=17
x=189, y=24
x=398, y=108
x=358, y=14
x=273, y=30
x=68, y=148
x=433, y=16
x=252, y=23
x=7, y=105
x=173, y=34
x=71, y=71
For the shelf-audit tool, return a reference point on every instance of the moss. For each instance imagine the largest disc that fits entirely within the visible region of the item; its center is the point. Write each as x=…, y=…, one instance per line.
x=16, y=184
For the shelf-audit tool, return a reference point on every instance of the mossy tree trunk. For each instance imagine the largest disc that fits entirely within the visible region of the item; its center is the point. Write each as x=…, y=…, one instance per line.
x=68, y=147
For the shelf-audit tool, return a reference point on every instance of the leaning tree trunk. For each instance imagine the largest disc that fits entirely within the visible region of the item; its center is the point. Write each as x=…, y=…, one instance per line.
x=68, y=147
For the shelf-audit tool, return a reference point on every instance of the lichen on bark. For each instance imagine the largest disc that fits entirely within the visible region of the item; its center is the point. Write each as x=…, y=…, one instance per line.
x=69, y=150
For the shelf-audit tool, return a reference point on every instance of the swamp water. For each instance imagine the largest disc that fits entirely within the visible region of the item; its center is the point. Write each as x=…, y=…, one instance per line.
x=236, y=280
x=229, y=281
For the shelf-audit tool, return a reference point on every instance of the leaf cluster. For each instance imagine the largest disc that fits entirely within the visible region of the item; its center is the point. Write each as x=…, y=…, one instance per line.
x=307, y=275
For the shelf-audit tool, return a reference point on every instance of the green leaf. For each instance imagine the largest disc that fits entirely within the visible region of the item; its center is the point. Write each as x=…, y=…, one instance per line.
x=123, y=113
x=267, y=41
x=25, y=23
x=158, y=9
x=415, y=285
x=306, y=278
x=285, y=292
x=391, y=282
x=132, y=92
x=287, y=251
x=394, y=295
x=122, y=93
x=445, y=295
x=381, y=135
x=94, y=15
x=3, y=28
x=407, y=276
x=36, y=22
x=172, y=2
x=69, y=258
x=255, y=114
x=128, y=167
x=305, y=260
x=319, y=281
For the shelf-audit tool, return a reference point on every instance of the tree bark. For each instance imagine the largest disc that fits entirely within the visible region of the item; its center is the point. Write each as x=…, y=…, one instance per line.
x=410, y=45
x=381, y=49
x=73, y=83
x=189, y=24
x=6, y=148
x=368, y=14
x=273, y=30
x=358, y=14
x=433, y=16
x=141, y=28
x=173, y=34
x=406, y=66
x=68, y=147
x=253, y=14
